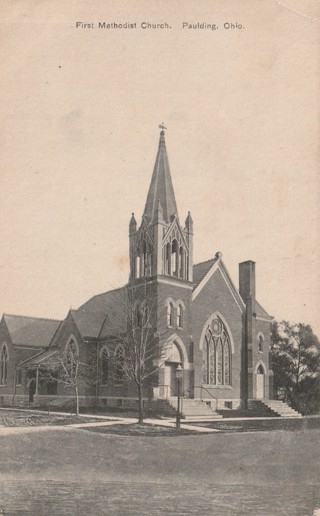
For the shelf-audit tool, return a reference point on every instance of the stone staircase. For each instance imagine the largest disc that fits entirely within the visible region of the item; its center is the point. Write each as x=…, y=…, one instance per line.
x=272, y=408
x=194, y=409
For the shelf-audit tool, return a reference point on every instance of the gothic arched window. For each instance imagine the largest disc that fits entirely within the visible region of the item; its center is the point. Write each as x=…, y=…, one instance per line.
x=104, y=366
x=4, y=365
x=260, y=343
x=175, y=258
x=119, y=364
x=72, y=358
x=179, y=316
x=170, y=314
x=137, y=267
x=216, y=355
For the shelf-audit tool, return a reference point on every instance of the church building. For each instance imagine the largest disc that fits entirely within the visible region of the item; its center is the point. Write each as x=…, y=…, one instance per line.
x=216, y=332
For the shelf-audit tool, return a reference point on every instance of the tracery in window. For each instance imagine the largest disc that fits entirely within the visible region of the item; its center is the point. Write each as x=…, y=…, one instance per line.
x=119, y=364
x=72, y=358
x=216, y=358
x=175, y=254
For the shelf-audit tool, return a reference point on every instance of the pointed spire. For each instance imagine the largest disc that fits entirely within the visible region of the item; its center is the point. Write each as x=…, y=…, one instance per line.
x=133, y=224
x=161, y=188
x=159, y=213
x=189, y=223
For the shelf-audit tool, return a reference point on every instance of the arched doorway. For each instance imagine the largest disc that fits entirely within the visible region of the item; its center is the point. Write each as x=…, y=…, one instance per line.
x=260, y=383
x=173, y=359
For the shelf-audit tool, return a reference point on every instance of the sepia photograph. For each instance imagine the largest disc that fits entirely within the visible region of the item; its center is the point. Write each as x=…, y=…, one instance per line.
x=159, y=267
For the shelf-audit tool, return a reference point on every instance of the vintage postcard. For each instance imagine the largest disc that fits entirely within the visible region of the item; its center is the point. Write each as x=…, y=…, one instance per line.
x=159, y=267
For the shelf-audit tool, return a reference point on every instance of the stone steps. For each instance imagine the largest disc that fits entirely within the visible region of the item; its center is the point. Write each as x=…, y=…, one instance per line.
x=193, y=409
x=275, y=407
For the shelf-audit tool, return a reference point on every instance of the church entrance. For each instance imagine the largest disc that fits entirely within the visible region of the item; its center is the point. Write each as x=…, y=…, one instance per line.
x=260, y=383
x=171, y=364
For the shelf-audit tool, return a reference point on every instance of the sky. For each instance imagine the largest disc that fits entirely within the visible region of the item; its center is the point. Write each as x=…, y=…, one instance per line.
x=80, y=110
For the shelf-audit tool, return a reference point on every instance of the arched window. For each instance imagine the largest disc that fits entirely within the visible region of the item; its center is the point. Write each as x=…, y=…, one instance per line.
x=72, y=358
x=182, y=263
x=175, y=258
x=260, y=369
x=119, y=364
x=4, y=365
x=179, y=316
x=260, y=343
x=216, y=356
x=104, y=366
x=137, y=267
x=170, y=314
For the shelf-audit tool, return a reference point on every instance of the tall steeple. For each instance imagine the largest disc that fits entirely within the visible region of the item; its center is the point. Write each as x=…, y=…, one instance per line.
x=161, y=188
x=160, y=246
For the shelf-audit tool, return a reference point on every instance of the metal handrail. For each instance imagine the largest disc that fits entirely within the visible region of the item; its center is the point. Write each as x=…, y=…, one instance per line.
x=204, y=388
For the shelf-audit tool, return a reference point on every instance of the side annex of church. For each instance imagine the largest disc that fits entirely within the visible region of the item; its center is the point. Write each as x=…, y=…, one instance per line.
x=217, y=333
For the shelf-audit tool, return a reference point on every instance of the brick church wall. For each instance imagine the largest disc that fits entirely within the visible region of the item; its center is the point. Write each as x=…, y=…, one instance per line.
x=216, y=296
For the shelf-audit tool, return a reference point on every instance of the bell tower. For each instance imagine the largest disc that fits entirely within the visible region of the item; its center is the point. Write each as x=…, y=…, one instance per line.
x=160, y=246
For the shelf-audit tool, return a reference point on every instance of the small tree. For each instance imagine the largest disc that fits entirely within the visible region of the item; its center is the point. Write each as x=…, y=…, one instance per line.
x=296, y=364
x=144, y=349
x=67, y=369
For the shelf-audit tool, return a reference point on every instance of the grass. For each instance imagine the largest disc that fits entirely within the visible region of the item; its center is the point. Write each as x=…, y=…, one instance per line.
x=19, y=418
x=76, y=472
x=138, y=429
x=273, y=424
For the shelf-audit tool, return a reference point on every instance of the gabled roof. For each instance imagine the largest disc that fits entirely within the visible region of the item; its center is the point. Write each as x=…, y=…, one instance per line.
x=90, y=317
x=161, y=188
x=201, y=269
x=205, y=270
x=31, y=332
x=88, y=323
x=38, y=359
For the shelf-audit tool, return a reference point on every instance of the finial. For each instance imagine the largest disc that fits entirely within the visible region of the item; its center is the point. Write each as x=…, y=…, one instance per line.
x=162, y=142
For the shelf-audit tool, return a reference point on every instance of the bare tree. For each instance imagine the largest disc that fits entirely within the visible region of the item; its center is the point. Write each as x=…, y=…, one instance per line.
x=143, y=345
x=67, y=369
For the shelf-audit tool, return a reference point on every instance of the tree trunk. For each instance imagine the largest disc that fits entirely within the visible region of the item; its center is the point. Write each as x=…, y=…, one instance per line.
x=77, y=400
x=140, y=397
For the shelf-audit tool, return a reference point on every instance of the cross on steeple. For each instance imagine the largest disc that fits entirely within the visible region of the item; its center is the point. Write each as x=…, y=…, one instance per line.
x=161, y=126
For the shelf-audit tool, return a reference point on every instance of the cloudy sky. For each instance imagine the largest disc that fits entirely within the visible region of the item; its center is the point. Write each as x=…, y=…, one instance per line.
x=80, y=109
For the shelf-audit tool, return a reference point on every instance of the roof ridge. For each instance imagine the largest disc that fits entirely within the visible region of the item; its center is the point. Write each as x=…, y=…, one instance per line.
x=33, y=317
x=101, y=294
x=205, y=261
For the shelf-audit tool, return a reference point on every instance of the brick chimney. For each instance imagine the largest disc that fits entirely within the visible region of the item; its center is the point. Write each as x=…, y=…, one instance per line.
x=247, y=280
x=247, y=288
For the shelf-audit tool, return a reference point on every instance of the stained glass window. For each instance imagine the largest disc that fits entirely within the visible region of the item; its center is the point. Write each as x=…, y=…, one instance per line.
x=205, y=363
x=216, y=362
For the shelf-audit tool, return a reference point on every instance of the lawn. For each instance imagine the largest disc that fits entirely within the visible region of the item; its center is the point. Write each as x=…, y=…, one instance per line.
x=138, y=430
x=294, y=424
x=71, y=471
x=17, y=418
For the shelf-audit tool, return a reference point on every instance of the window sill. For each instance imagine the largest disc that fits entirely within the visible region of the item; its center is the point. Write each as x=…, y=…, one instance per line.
x=210, y=386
